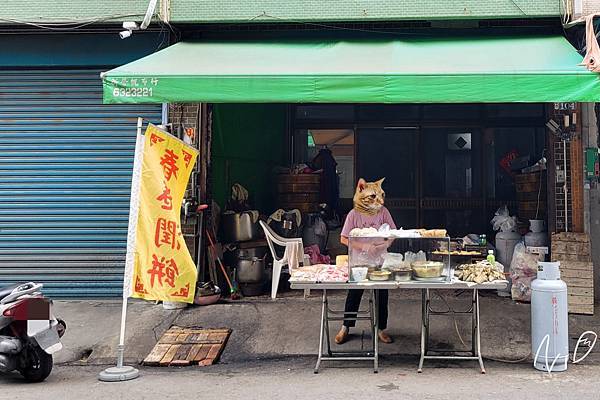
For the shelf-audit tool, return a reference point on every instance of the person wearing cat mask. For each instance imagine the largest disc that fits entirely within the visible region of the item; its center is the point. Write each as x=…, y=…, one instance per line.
x=368, y=212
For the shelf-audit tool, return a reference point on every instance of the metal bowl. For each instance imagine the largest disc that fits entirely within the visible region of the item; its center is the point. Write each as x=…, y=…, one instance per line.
x=427, y=269
x=379, y=275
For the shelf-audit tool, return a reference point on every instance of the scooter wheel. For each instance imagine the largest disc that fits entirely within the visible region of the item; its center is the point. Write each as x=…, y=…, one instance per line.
x=38, y=364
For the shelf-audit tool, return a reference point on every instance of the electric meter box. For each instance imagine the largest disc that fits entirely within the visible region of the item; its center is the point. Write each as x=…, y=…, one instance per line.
x=592, y=169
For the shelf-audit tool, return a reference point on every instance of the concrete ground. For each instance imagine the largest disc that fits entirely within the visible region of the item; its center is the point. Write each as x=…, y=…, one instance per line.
x=271, y=354
x=93, y=329
x=289, y=326
x=292, y=378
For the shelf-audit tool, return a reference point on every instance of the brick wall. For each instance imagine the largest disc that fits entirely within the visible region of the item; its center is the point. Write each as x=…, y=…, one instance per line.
x=559, y=158
x=570, y=219
x=69, y=10
x=590, y=7
x=244, y=11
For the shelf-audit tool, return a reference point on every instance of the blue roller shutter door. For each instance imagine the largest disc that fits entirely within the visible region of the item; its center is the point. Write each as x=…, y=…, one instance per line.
x=65, y=177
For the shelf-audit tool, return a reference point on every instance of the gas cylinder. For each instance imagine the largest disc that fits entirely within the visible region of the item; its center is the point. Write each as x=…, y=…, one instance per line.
x=549, y=319
x=505, y=247
x=537, y=237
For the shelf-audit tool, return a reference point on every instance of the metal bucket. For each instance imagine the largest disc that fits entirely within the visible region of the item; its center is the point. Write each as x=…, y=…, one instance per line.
x=238, y=227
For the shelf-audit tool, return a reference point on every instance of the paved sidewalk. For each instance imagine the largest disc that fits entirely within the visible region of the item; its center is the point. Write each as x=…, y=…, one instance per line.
x=93, y=330
x=288, y=326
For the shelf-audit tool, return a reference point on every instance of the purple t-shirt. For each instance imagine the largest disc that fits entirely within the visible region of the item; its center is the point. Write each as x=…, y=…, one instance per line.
x=360, y=220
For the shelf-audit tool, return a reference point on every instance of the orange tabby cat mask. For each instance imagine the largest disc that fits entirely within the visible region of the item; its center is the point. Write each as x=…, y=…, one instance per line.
x=369, y=197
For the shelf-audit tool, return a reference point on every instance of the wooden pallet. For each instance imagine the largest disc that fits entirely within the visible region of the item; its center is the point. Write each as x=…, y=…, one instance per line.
x=576, y=269
x=181, y=347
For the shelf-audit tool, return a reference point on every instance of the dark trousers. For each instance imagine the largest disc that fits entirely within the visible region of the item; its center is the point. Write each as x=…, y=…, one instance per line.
x=353, y=302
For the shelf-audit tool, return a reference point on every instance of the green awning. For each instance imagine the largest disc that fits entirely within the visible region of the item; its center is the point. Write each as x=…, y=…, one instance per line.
x=443, y=70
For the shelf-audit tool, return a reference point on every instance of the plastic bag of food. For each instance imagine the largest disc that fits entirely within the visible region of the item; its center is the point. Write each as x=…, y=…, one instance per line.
x=392, y=261
x=502, y=221
x=330, y=273
x=410, y=257
x=523, y=270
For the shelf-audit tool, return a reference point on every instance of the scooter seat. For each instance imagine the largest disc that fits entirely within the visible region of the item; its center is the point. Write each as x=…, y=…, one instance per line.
x=6, y=290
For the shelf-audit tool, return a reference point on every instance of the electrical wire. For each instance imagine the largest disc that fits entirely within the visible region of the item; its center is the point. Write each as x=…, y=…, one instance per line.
x=451, y=311
x=163, y=37
x=566, y=12
x=520, y=360
x=335, y=27
x=520, y=9
x=66, y=26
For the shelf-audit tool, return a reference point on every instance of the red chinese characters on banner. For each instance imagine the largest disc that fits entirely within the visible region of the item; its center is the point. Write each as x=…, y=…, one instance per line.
x=155, y=139
x=183, y=292
x=166, y=199
x=166, y=233
x=187, y=157
x=162, y=269
x=139, y=286
x=168, y=162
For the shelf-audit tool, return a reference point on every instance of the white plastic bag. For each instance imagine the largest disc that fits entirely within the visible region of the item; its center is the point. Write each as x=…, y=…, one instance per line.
x=502, y=221
x=523, y=270
x=392, y=260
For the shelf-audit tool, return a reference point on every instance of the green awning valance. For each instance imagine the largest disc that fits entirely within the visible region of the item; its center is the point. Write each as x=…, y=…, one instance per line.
x=449, y=70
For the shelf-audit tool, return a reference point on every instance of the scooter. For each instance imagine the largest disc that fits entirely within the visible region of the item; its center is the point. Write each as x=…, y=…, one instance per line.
x=29, y=332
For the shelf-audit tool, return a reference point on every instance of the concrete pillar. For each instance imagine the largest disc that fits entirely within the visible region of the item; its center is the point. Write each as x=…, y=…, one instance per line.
x=589, y=133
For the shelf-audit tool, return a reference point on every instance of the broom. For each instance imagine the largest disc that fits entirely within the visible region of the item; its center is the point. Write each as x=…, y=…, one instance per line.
x=235, y=295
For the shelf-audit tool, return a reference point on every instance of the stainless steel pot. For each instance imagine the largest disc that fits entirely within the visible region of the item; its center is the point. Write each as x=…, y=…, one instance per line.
x=250, y=270
x=238, y=227
x=250, y=263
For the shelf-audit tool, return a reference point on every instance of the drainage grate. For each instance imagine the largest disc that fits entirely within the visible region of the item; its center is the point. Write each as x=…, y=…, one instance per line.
x=180, y=347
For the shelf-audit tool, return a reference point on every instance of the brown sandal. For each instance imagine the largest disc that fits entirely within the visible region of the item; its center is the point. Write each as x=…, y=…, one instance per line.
x=384, y=337
x=342, y=336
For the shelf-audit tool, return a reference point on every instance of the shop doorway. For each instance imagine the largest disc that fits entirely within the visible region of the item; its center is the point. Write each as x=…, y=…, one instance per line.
x=391, y=152
x=341, y=142
x=434, y=175
x=446, y=165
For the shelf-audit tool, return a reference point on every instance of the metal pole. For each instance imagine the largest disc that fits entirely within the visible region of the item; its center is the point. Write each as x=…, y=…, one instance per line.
x=375, y=328
x=565, y=186
x=423, y=328
x=122, y=372
x=323, y=316
x=478, y=332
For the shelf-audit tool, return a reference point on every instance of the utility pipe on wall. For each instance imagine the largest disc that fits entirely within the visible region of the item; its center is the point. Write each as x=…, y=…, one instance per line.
x=149, y=14
x=565, y=186
x=577, y=8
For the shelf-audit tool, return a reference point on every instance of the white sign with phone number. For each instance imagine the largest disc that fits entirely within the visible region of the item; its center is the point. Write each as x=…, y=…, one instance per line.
x=139, y=87
x=132, y=92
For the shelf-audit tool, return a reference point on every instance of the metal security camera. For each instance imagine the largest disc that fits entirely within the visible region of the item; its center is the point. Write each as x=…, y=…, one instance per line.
x=124, y=34
x=130, y=26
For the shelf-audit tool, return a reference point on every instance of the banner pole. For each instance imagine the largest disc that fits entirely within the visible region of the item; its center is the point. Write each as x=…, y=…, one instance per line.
x=122, y=372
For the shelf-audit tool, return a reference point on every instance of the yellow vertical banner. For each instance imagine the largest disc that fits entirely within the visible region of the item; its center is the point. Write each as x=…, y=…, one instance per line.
x=163, y=268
